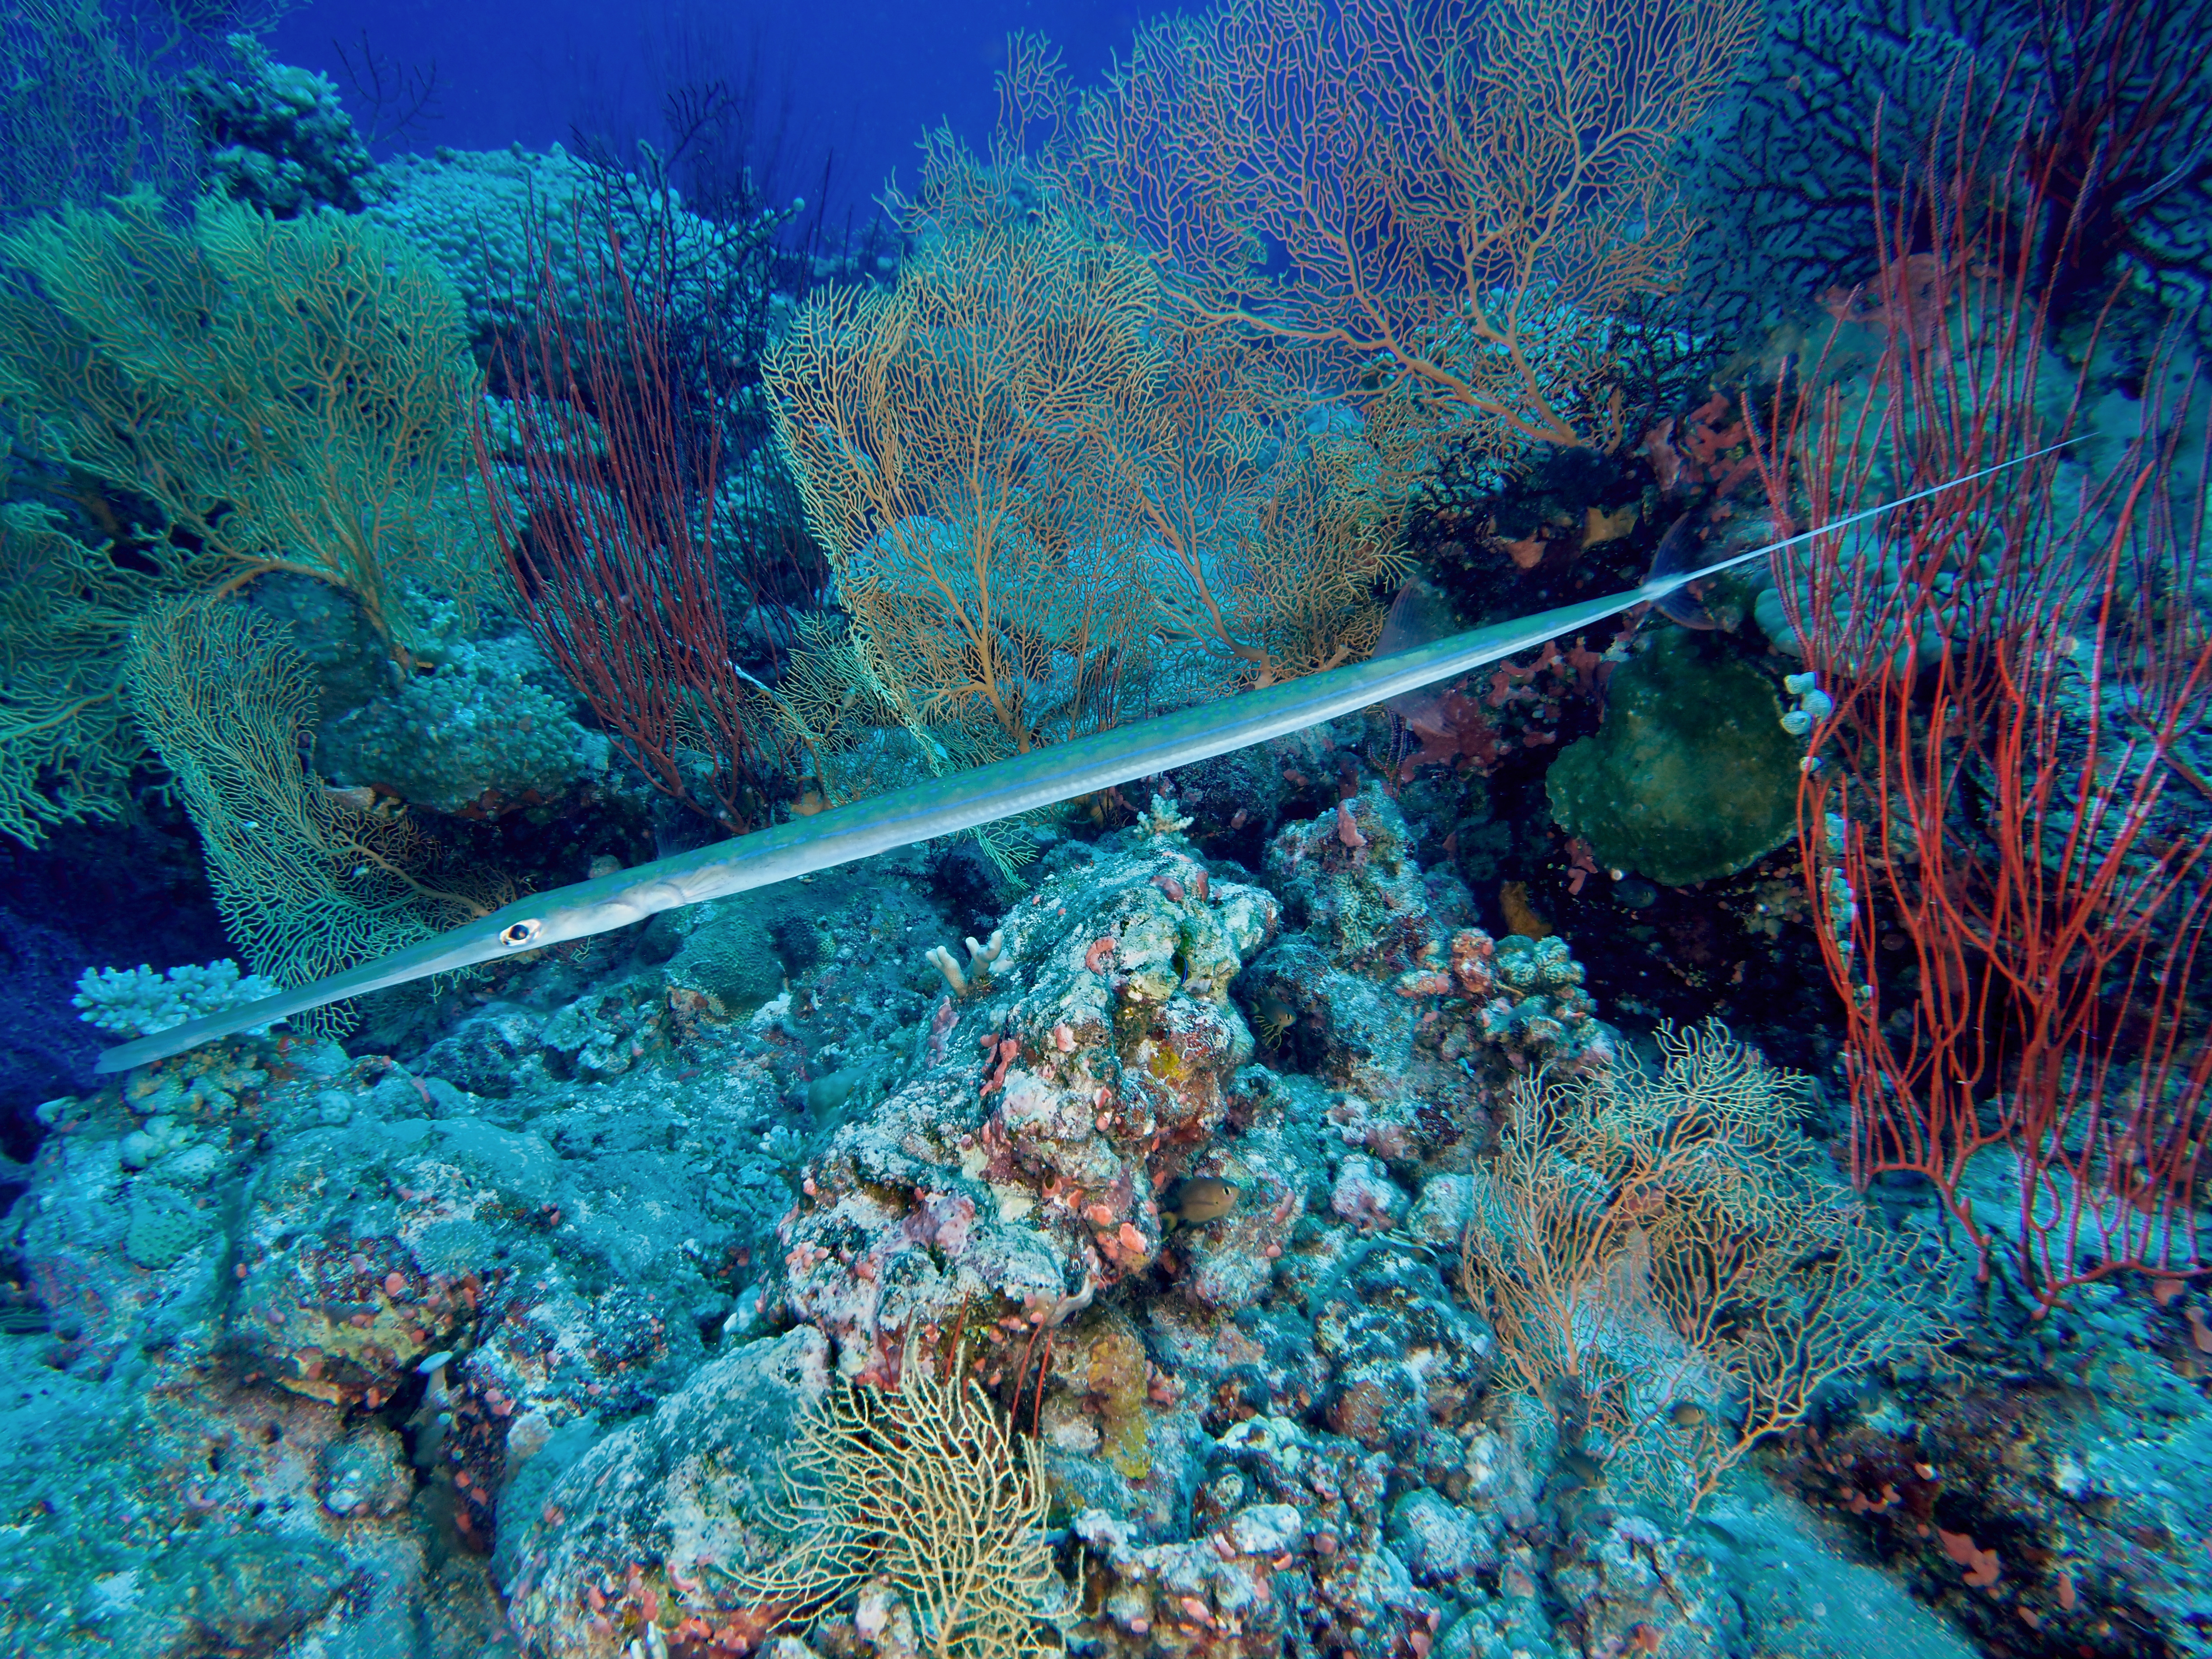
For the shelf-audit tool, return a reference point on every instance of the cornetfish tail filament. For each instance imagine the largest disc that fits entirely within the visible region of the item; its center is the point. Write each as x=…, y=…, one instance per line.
x=921, y=812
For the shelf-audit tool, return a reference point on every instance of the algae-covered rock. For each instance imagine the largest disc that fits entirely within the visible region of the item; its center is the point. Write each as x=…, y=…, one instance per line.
x=1692, y=776
x=727, y=949
x=646, y=1509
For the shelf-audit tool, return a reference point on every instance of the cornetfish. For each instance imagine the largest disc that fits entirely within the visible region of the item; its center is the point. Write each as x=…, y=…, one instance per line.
x=925, y=810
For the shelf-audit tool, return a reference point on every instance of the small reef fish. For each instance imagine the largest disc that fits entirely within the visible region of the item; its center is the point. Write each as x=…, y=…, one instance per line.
x=1199, y=1200
x=1581, y=1469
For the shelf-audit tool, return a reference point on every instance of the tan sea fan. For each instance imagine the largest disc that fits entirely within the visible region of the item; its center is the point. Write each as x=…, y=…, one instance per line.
x=921, y=1486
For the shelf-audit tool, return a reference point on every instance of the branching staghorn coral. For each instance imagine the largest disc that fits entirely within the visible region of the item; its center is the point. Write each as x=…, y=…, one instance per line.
x=922, y=1486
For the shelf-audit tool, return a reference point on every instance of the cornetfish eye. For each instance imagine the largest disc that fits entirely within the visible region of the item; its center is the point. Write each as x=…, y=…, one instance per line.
x=519, y=933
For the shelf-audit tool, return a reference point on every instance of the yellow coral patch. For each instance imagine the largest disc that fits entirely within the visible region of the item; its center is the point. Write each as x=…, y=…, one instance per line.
x=1521, y=916
x=1115, y=1380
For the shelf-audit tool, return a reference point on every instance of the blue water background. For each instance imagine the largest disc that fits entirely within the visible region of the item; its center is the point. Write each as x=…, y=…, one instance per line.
x=863, y=80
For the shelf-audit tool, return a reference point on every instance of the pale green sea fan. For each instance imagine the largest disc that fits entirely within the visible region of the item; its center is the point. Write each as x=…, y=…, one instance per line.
x=305, y=879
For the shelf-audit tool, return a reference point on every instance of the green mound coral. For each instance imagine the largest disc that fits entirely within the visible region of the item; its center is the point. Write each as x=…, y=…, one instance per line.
x=1692, y=776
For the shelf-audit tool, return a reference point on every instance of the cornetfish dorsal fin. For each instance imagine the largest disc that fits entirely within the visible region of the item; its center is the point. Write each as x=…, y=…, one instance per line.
x=944, y=806
x=1680, y=551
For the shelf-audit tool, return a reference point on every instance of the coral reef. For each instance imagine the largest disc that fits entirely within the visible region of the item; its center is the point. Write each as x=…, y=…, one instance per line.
x=277, y=137
x=512, y=1339
x=1259, y=1211
x=486, y=730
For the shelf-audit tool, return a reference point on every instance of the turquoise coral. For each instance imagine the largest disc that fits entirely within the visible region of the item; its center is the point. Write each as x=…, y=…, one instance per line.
x=277, y=137
x=487, y=729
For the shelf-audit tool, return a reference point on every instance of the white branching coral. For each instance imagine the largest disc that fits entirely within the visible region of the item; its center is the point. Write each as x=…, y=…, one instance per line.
x=138, y=1002
x=1162, y=822
x=981, y=957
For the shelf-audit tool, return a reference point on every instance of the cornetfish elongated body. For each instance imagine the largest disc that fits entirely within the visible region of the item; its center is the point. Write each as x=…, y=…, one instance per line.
x=944, y=806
